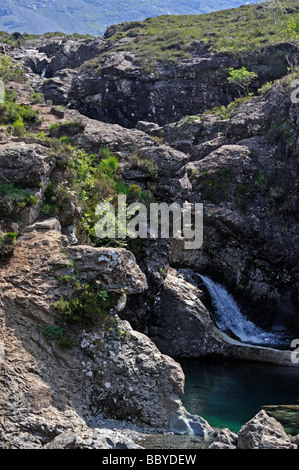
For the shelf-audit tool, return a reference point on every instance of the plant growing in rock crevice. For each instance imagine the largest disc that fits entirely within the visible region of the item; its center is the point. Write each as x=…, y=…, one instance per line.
x=56, y=334
x=7, y=243
x=88, y=305
x=13, y=199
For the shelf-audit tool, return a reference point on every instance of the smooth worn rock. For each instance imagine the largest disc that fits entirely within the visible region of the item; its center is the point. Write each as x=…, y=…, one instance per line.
x=48, y=224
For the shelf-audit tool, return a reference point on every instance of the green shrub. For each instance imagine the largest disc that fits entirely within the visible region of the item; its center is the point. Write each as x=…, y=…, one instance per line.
x=242, y=79
x=108, y=166
x=56, y=334
x=7, y=243
x=18, y=127
x=66, y=343
x=225, y=112
x=89, y=304
x=10, y=70
x=17, y=117
x=36, y=97
x=55, y=199
x=69, y=128
x=53, y=332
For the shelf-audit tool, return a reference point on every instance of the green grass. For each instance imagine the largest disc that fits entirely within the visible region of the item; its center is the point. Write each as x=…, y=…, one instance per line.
x=225, y=112
x=168, y=39
x=14, y=199
x=10, y=71
x=17, y=118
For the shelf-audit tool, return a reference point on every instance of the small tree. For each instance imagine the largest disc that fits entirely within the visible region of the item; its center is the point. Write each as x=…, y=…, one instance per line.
x=242, y=78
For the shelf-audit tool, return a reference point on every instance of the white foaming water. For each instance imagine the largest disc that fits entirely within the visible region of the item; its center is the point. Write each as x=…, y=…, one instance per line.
x=43, y=74
x=229, y=317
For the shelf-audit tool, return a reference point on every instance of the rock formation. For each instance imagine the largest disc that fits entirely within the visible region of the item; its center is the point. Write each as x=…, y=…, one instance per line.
x=90, y=331
x=53, y=389
x=261, y=432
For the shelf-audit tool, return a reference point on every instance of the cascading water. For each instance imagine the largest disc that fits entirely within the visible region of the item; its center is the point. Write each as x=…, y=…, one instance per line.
x=230, y=318
x=43, y=73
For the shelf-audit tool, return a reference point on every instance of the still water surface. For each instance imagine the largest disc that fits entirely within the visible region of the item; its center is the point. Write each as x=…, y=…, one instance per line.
x=229, y=393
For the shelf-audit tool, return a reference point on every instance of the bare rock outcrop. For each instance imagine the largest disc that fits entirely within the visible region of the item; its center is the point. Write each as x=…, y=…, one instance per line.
x=48, y=388
x=20, y=163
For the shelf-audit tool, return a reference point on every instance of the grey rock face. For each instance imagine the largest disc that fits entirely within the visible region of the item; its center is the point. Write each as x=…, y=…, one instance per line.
x=20, y=163
x=116, y=267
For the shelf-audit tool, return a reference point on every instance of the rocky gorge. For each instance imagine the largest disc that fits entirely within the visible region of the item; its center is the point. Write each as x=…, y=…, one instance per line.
x=92, y=331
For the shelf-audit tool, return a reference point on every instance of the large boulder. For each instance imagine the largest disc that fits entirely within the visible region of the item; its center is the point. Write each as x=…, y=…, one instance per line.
x=263, y=432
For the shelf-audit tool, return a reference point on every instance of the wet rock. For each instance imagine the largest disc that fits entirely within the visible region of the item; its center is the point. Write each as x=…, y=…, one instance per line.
x=185, y=423
x=181, y=326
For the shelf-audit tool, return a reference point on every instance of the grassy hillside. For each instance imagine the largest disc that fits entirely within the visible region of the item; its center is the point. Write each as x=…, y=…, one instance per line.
x=241, y=31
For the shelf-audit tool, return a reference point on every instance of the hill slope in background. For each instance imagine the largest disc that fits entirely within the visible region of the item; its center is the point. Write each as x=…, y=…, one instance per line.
x=94, y=16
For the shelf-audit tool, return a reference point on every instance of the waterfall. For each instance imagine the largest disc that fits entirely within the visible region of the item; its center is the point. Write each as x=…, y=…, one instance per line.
x=44, y=71
x=229, y=317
